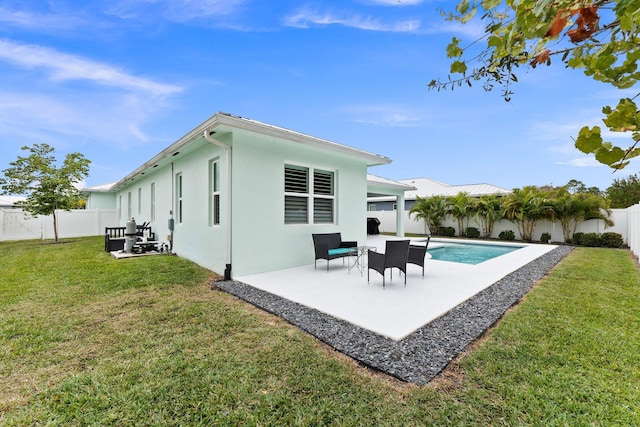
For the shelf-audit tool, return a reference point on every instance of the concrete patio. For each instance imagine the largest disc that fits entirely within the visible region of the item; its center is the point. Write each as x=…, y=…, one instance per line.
x=396, y=311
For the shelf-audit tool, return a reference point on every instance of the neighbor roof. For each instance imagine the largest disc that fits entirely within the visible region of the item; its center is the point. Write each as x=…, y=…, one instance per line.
x=10, y=201
x=425, y=187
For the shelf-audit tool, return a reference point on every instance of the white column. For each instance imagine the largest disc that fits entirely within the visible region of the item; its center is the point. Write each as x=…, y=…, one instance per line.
x=400, y=215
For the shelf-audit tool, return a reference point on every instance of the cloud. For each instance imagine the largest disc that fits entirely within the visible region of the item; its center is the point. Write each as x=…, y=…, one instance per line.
x=174, y=10
x=41, y=22
x=396, y=2
x=582, y=162
x=305, y=18
x=63, y=66
x=386, y=116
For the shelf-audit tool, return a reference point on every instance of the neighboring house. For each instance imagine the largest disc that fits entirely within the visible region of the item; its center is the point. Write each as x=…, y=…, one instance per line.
x=100, y=196
x=425, y=187
x=245, y=196
x=9, y=202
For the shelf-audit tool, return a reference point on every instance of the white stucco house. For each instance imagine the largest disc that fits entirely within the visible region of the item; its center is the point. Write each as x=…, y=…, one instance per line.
x=246, y=196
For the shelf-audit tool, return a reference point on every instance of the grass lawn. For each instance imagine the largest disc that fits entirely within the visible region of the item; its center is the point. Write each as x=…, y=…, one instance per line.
x=88, y=340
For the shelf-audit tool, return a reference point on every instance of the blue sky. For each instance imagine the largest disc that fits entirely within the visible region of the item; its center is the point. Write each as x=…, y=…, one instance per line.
x=120, y=80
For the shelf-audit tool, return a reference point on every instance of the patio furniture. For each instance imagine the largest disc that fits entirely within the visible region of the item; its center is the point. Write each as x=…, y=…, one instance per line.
x=395, y=255
x=417, y=254
x=360, y=259
x=330, y=246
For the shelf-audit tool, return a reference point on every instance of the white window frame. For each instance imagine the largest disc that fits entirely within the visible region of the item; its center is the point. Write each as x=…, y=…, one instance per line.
x=214, y=192
x=152, y=192
x=179, y=198
x=310, y=193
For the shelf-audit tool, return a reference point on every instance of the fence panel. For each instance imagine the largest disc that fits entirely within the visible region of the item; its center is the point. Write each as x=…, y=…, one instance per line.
x=15, y=224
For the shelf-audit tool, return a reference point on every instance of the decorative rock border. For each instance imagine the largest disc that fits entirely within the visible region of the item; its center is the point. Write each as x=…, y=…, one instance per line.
x=423, y=354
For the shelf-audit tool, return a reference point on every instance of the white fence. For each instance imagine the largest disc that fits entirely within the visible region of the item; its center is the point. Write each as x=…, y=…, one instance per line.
x=622, y=218
x=15, y=224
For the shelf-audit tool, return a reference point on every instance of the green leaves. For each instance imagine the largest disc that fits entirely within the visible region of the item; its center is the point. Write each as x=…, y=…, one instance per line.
x=599, y=38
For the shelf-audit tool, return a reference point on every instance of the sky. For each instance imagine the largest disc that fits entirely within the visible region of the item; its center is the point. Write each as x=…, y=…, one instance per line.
x=120, y=80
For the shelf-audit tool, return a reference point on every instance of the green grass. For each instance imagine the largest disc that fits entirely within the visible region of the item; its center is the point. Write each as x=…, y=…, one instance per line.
x=88, y=340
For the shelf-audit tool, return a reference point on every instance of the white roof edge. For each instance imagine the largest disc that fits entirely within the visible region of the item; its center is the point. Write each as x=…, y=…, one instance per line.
x=221, y=119
x=385, y=182
x=98, y=188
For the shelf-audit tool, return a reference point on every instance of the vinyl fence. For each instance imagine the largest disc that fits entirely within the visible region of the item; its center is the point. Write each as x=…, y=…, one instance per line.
x=622, y=218
x=16, y=224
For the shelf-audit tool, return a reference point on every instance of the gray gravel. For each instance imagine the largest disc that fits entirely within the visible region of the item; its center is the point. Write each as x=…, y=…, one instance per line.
x=422, y=355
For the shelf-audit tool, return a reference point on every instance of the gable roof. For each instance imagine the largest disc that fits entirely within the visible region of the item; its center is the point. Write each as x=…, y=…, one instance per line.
x=425, y=187
x=224, y=123
x=10, y=201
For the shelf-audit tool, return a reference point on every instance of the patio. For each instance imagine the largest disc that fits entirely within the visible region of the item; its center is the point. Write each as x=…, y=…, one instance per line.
x=411, y=333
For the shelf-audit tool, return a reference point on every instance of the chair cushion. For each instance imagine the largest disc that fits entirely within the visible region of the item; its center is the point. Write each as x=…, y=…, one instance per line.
x=339, y=251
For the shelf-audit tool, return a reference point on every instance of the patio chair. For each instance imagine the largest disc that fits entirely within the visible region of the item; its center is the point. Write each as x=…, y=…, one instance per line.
x=417, y=254
x=331, y=246
x=395, y=255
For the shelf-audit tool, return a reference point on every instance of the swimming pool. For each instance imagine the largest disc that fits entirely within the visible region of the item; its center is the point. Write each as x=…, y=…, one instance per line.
x=469, y=253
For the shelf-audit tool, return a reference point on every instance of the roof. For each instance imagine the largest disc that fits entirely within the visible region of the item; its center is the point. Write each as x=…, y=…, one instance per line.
x=379, y=185
x=425, y=187
x=10, y=201
x=224, y=123
x=102, y=188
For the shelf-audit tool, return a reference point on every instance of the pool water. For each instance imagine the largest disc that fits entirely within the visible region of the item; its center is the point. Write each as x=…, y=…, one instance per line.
x=469, y=253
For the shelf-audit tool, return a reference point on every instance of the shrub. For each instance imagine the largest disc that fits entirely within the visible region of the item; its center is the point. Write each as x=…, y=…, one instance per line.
x=577, y=238
x=611, y=240
x=446, y=231
x=507, y=235
x=591, y=240
x=472, y=232
x=545, y=237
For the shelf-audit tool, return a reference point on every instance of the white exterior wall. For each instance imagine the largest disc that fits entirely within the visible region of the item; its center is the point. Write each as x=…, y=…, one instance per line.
x=193, y=239
x=98, y=200
x=261, y=239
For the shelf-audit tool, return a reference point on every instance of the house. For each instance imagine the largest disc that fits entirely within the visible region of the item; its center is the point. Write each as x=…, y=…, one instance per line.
x=100, y=196
x=425, y=187
x=239, y=195
x=9, y=202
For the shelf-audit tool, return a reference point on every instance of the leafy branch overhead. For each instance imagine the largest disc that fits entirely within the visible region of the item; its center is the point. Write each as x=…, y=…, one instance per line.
x=599, y=37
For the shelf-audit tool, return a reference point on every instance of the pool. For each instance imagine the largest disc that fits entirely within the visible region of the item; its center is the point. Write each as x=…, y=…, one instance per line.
x=469, y=253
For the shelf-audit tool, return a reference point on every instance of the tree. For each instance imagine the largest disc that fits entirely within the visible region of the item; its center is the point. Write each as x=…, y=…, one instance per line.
x=599, y=37
x=624, y=192
x=488, y=212
x=460, y=207
x=432, y=210
x=46, y=186
x=573, y=209
x=525, y=207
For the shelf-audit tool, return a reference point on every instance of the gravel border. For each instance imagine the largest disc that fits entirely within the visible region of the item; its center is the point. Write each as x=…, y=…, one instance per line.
x=422, y=355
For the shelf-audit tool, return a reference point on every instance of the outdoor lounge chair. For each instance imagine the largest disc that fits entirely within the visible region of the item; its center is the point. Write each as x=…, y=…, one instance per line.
x=417, y=254
x=330, y=246
x=396, y=255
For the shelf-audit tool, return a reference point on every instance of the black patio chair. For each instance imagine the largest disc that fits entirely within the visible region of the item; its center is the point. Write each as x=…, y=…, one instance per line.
x=417, y=254
x=396, y=255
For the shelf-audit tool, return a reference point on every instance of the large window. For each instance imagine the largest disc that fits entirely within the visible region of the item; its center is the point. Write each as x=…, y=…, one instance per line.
x=179, y=198
x=214, y=192
x=309, y=195
x=153, y=201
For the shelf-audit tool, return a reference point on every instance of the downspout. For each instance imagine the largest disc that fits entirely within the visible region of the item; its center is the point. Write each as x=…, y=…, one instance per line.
x=208, y=136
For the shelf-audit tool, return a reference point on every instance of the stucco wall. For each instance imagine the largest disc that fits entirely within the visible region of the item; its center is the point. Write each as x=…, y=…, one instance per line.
x=97, y=200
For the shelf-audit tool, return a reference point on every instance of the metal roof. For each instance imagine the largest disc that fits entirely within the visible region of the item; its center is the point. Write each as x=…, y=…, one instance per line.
x=425, y=187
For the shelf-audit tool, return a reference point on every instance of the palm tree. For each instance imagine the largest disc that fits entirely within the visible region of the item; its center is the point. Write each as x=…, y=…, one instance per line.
x=431, y=209
x=460, y=208
x=525, y=207
x=488, y=211
x=573, y=209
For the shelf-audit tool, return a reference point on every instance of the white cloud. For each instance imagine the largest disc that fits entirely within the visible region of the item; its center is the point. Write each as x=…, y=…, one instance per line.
x=395, y=2
x=174, y=10
x=63, y=66
x=41, y=22
x=305, y=18
x=582, y=162
x=386, y=116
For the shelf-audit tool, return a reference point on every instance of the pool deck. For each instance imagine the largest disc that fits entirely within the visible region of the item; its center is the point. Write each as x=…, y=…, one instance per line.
x=396, y=311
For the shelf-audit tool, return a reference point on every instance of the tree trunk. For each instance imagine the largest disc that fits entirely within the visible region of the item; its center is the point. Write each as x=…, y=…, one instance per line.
x=55, y=225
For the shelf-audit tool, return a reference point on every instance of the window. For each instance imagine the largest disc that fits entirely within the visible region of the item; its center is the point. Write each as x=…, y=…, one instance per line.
x=309, y=195
x=129, y=205
x=139, y=201
x=179, y=197
x=120, y=207
x=153, y=201
x=214, y=192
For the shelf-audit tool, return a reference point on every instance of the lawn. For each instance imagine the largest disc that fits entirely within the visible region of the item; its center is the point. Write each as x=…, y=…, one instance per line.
x=88, y=340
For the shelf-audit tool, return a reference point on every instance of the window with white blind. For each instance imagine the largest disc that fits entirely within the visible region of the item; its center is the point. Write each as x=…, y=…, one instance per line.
x=309, y=195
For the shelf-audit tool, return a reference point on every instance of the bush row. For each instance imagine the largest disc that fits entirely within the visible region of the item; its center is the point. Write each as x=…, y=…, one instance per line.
x=606, y=240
